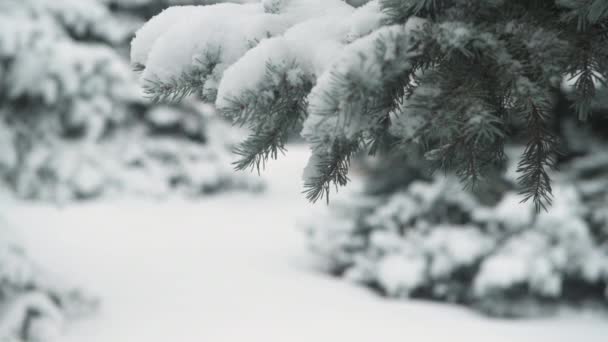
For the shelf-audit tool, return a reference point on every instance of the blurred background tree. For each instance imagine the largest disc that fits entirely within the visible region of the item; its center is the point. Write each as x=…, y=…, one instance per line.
x=74, y=122
x=74, y=125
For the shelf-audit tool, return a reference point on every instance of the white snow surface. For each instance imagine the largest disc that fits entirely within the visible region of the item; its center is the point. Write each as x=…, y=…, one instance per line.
x=234, y=268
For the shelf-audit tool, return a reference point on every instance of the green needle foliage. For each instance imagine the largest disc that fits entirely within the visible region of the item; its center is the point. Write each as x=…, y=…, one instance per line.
x=284, y=107
x=466, y=79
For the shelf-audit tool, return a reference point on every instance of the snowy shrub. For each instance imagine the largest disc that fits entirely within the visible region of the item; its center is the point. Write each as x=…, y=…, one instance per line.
x=432, y=239
x=74, y=124
x=34, y=307
x=155, y=159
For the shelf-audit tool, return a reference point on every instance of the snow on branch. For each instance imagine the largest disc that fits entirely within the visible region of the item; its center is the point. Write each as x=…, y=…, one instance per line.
x=364, y=62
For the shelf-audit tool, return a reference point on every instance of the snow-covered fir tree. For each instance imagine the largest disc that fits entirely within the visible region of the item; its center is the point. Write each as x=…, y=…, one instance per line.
x=495, y=93
x=444, y=76
x=73, y=122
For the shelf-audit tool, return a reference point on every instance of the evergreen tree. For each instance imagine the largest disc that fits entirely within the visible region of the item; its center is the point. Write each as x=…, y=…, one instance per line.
x=448, y=77
x=74, y=125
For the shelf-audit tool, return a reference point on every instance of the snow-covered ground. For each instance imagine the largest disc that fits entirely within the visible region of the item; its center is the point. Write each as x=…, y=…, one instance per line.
x=235, y=268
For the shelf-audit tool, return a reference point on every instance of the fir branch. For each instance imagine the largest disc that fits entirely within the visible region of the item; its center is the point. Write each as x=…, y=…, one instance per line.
x=175, y=89
x=468, y=132
x=255, y=152
x=585, y=91
x=269, y=138
x=188, y=83
x=588, y=74
x=462, y=78
x=400, y=10
x=392, y=98
x=271, y=112
x=538, y=157
x=473, y=153
x=380, y=140
x=330, y=168
x=359, y=105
